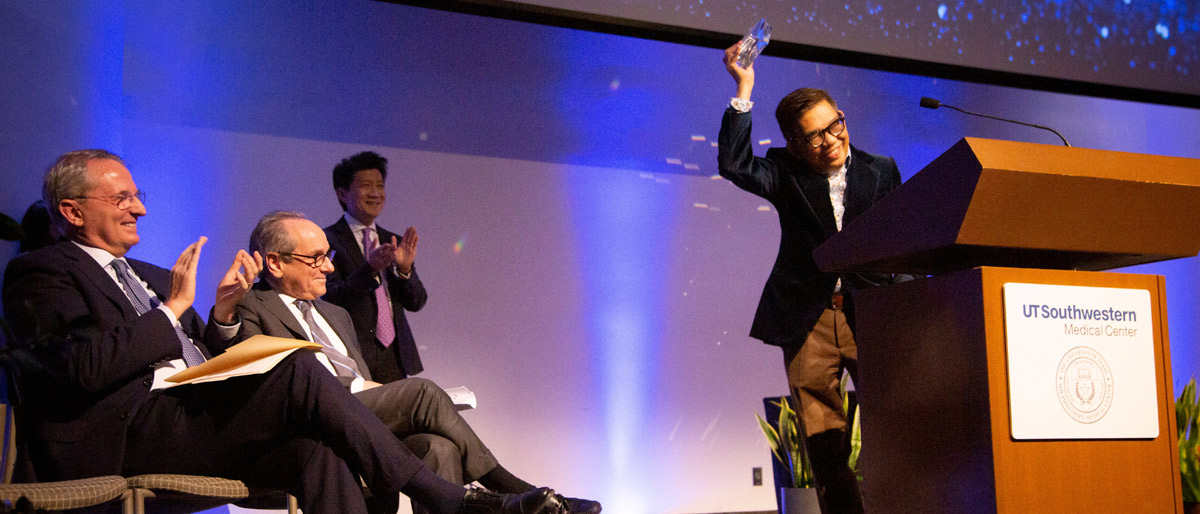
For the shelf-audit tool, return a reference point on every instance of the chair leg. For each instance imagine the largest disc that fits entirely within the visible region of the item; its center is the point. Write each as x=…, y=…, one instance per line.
x=127, y=502
x=139, y=499
x=293, y=504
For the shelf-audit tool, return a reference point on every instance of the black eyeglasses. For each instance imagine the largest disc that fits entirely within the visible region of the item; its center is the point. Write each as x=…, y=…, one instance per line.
x=318, y=260
x=817, y=138
x=122, y=201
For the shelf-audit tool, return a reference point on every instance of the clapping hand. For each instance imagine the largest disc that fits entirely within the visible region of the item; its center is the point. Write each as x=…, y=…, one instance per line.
x=235, y=283
x=406, y=250
x=382, y=256
x=183, y=279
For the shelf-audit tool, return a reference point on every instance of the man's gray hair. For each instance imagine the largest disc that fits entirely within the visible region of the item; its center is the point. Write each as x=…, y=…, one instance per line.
x=68, y=178
x=271, y=236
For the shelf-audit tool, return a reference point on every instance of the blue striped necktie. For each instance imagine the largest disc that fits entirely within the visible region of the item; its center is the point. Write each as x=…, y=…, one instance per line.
x=142, y=303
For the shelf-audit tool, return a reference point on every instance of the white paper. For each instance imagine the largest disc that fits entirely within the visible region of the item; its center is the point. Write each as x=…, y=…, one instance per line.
x=464, y=399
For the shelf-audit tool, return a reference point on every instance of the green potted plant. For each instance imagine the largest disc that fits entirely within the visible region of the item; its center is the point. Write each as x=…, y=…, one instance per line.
x=1187, y=416
x=798, y=495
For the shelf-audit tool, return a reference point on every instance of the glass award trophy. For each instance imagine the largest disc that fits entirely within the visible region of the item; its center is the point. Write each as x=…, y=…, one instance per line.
x=753, y=43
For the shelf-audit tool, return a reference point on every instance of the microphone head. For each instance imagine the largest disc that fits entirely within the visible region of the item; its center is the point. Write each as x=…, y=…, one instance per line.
x=930, y=103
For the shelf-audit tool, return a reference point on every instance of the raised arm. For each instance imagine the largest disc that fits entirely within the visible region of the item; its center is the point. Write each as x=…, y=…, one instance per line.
x=735, y=155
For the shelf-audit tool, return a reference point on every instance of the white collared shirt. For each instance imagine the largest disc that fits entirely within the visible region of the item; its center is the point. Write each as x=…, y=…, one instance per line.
x=837, y=192
x=837, y=198
x=330, y=333
x=356, y=228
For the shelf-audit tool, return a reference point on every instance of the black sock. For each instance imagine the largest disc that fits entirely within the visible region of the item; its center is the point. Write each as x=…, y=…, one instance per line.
x=436, y=494
x=501, y=481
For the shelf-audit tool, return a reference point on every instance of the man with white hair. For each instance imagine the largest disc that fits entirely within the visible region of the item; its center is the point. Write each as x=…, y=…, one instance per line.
x=287, y=302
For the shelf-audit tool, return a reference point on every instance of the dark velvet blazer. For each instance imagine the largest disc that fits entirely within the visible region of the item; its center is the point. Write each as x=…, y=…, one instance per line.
x=797, y=292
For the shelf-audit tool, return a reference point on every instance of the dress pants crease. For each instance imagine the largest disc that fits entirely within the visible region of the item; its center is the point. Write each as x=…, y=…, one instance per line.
x=297, y=416
x=417, y=405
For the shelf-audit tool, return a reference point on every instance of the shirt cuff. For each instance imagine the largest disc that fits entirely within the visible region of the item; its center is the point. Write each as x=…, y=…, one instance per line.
x=357, y=385
x=228, y=331
x=170, y=315
x=740, y=105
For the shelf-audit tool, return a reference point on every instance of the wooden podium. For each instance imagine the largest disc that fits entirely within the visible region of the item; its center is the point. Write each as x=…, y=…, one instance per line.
x=933, y=354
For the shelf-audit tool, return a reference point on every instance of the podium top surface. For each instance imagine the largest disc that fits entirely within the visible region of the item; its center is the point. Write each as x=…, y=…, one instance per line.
x=987, y=202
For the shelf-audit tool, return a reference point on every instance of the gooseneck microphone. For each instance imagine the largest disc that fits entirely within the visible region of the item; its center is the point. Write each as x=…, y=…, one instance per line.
x=930, y=103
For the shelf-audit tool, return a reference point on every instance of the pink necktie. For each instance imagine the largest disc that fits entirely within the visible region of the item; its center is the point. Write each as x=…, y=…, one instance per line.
x=385, y=331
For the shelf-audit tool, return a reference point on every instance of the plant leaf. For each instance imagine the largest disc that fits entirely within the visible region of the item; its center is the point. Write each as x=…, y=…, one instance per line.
x=772, y=438
x=10, y=230
x=1187, y=412
x=855, y=439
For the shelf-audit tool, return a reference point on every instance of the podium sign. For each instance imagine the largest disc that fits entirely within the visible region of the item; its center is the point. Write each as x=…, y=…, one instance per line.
x=965, y=413
x=1080, y=362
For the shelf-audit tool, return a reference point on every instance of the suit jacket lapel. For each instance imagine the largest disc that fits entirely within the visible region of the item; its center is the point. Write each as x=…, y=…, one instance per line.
x=345, y=330
x=384, y=234
x=150, y=275
x=861, y=183
x=346, y=239
x=346, y=334
x=274, y=305
x=810, y=188
x=815, y=188
x=100, y=278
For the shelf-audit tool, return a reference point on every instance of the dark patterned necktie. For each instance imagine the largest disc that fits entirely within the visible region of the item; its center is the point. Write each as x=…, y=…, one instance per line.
x=142, y=303
x=345, y=366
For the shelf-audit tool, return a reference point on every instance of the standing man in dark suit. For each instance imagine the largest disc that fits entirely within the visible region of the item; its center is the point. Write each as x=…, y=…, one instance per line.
x=286, y=303
x=89, y=410
x=374, y=278
x=817, y=184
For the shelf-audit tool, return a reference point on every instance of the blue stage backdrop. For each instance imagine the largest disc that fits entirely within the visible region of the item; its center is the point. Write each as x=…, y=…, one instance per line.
x=588, y=275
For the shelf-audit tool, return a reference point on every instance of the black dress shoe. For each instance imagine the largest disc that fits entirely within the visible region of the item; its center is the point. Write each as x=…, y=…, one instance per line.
x=537, y=501
x=579, y=505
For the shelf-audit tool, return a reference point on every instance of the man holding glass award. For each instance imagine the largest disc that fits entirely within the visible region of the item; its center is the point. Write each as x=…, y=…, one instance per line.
x=817, y=183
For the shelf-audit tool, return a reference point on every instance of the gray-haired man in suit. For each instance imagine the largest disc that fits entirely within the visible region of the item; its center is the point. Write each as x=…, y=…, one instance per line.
x=286, y=303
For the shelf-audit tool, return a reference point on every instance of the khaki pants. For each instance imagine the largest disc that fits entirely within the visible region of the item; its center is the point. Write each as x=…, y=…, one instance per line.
x=814, y=373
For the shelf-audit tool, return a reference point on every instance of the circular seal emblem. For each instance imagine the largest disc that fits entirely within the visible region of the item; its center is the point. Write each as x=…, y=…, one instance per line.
x=1085, y=384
